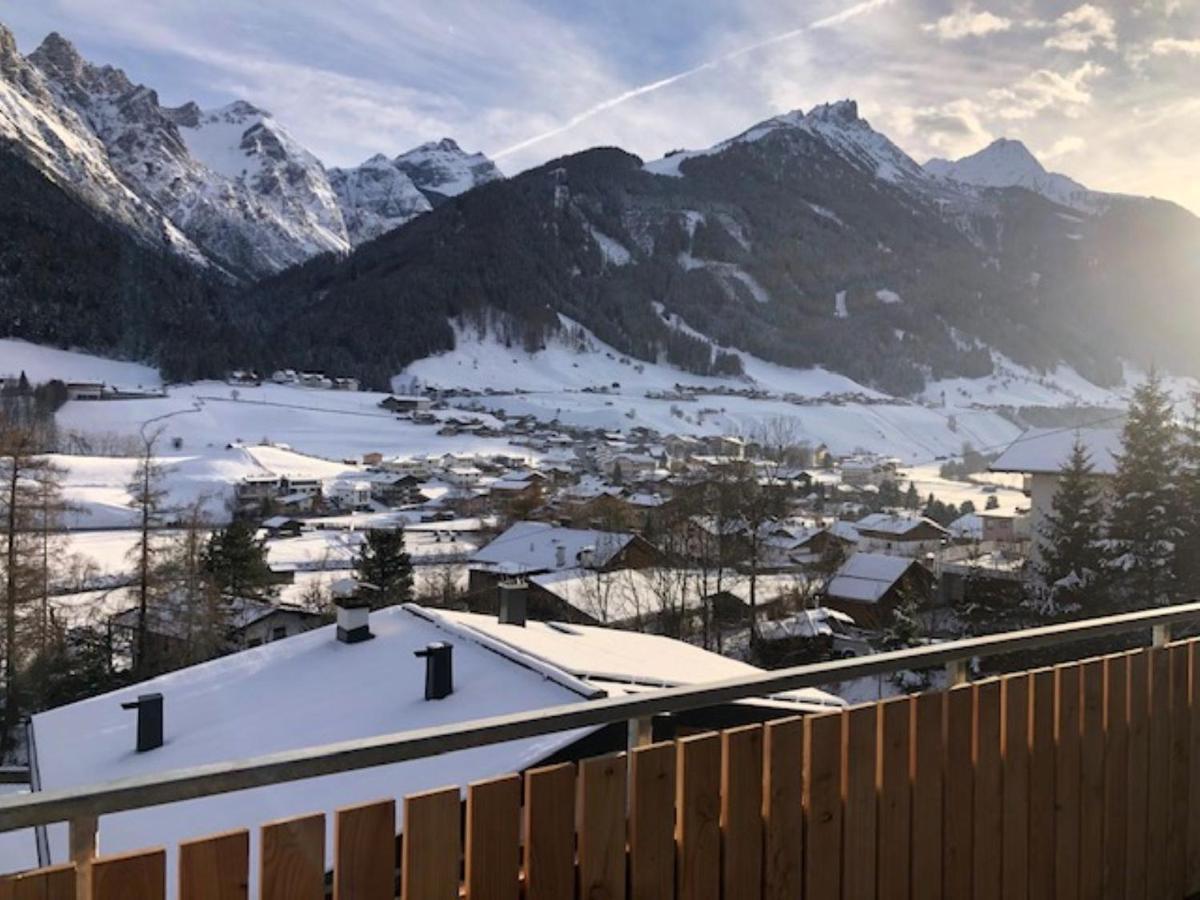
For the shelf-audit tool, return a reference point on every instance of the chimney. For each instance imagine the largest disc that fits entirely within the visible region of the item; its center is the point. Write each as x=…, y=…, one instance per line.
x=353, y=620
x=560, y=556
x=514, y=603
x=149, y=721
x=439, y=670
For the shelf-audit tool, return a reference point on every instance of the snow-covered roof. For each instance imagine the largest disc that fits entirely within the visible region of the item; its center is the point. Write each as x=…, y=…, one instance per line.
x=1041, y=451
x=611, y=659
x=541, y=547
x=802, y=623
x=968, y=527
x=303, y=691
x=898, y=524
x=866, y=577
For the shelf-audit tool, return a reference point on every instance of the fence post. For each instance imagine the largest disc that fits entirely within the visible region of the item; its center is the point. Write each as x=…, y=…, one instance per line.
x=957, y=672
x=83, y=840
x=1160, y=635
x=641, y=732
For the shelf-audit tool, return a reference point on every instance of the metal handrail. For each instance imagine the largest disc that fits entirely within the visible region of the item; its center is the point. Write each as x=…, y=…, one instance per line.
x=88, y=802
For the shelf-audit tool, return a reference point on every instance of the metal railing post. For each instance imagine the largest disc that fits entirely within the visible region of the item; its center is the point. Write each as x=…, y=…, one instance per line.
x=641, y=732
x=958, y=671
x=1160, y=635
x=83, y=838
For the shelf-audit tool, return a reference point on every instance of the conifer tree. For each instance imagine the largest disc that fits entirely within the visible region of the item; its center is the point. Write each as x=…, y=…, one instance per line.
x=1070, y=534
x=1187, y=547
x=236, y=560
x=1143, y=522
x=383, y=563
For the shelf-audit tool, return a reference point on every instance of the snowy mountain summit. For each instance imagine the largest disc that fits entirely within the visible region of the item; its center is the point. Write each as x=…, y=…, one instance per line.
x=1008, y=163
x=442, y=169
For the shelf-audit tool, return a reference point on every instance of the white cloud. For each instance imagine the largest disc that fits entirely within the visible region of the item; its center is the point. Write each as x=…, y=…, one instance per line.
x=1172, y=46
x=1082, y=28
x=967, y=21
x=1065, y=146
x=948, y=129
x=1046, y=90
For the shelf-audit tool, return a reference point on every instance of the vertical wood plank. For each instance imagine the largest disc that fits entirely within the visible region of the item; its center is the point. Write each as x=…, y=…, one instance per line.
x=822, y=806
x=216, y=867
x=1193, y=825
x=1116, y=776
x=1091, y=778
x=698, y=824
x=549, y=833
x=895, y=799
x=927, y=755
x=51, y=883
x=132, y=876
x=7, y=886
x=602, y=795
x=432, y=847
x=989, y=798
x=652, y=822
x=493, y=851
x=1014, y=743
x=1041, y=785
x=1158, y=768
x=742, y=812
x=292, y=860
x=1137, y=742
x=1179, y=773
x=958, y=803
x=783, y=808
x=1067, y=718
x=860, y=794
x=364, y=850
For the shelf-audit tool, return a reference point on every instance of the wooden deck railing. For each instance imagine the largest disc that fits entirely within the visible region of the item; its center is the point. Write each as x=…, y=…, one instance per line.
x=1080, y=780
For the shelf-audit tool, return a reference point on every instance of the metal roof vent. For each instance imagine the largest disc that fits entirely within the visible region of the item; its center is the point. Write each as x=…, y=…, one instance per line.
x=439, y=670
x=149, y=721
x=353, y=620
x=514, y=602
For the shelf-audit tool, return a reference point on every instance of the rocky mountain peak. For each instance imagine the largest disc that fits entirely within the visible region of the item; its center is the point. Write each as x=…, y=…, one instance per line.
x=842, y=111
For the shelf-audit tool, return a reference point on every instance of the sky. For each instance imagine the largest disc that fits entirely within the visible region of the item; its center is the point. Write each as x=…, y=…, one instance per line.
x=1104, y=91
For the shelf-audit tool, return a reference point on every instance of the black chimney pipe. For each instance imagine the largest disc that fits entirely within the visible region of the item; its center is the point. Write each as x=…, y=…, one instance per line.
x=514, y=603
x=149, y=721
x=439, y=670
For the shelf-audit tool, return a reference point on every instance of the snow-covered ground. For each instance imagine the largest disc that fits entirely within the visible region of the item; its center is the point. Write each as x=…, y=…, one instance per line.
x=1006, y=489
x=45, y=363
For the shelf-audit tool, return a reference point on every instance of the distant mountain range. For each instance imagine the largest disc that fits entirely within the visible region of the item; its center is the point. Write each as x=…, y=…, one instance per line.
x=809, y=239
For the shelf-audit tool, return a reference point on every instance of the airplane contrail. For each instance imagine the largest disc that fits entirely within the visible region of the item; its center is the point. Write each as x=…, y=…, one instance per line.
x=830, y=21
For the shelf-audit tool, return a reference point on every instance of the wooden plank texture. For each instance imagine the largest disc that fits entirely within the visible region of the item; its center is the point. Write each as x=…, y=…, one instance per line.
x=132, y=876
x=1067, y=719
x=1193, y=825
x=1041, y=786
x=989, y=799
x=698, y=819
x=895, y=799
x=364, y=851
x=549, y=833
x=432, y=848
x=1158, y=770
x=216, y=867
x=652, y=822
x=493, y=852
x=1116, y=775
x=742, y=812
x=602, y=795
x=958, y=803
x=822, y=806
x=928, y=750
x=860, y=743
x=1137, y=743
x=1091, y=779
x=292, y=859
x=783, y=809
x=1014, y=741
x=1179, y=773
x=51, y=883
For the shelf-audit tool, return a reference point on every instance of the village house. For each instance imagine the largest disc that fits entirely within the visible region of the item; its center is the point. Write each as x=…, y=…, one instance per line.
x=869, y=586
x=406, y=403
x=901, y=534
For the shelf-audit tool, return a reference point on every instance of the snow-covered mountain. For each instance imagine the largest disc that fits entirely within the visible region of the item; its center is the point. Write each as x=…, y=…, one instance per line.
x=1008, y=163
x=230, y=185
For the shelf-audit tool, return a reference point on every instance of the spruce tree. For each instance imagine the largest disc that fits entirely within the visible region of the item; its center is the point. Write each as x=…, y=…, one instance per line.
x=1187, y=546
x=236, y=560
x=1144, y=519
x=1070, y=533
x=383, y=563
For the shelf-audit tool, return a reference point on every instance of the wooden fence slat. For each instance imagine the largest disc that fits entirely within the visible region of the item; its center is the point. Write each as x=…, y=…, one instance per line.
x=958, y=804
x=292, y=859
x=216, y=867
x=1158, y=769
x=1193, y=826
x=989, y=796
x=895, y=799
x=7, y=886
x=783, y=809
x=860, y=793
x=493, y=851
x=1137, y=742
x=1014, y=745
x=742, y=812
x=1091, y=778
x=1116, y=775
x=928, y=749
x=602, y=795
x=432, y=847
x=51, y=883
x=1041, y=785
x=698, y=817
x=822, y=806
x=132, y=876
x=652, y=822
x=1179, y=773
x=549, y=834
x=364, y=850
x=1067, y=715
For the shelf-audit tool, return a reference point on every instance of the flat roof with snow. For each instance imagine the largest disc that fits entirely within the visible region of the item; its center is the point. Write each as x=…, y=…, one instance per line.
x=1045, y=451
